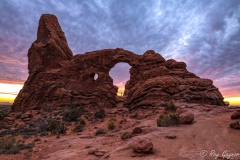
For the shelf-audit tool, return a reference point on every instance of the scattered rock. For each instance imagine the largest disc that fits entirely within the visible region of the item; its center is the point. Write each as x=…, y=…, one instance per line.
x=207, y=109
x=171, y=136
x=186, y=118
x=125, y=135
x=99, y=153
x=136, y=131
x=27, y=116
x=92, y=151
x=235, y=115
x=142, y=145
x=178, y=111
x=21, y=125
x=235, y=125
x=9, y=120
x=96, y=152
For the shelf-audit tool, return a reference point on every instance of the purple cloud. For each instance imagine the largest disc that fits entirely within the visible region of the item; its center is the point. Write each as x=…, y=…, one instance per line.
x=205, y=34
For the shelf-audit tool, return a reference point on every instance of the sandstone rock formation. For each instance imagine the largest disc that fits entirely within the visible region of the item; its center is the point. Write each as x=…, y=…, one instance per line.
x=57, y=78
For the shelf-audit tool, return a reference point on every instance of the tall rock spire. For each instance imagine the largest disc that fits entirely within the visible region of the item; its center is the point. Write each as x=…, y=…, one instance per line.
x=50, y=47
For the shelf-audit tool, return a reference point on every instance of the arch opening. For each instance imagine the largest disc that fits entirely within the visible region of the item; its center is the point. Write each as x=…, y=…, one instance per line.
x=94, y=76
x=120, y=75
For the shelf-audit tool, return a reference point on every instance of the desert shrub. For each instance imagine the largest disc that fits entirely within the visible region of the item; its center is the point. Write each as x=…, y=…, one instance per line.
x=73, y=113
x=43, y=134
x=100, y=131
x=111, y=125
x=8, y=145
x=48, y=108
x=101, y=114
x=13, y=150
x=56, y=113
x=25, y=146
x=55, y=127
x=79, y=127
x=28, y=131
x=124, y=135
x=8, y=132
x=2, y=115
x=170, y=106
x=166, y=120
x=41, y=125
x=7, y=142
x=226, y=103
x=37, y=139
x=26, y=136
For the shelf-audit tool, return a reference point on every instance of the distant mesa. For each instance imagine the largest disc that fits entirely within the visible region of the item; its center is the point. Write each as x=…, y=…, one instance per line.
x=57, y=78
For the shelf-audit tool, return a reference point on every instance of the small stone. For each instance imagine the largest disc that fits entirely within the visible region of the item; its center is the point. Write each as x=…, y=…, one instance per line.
x=21, y=125
x=92, y=151
x=178, y=111
x=170, y=136
x=99, y=153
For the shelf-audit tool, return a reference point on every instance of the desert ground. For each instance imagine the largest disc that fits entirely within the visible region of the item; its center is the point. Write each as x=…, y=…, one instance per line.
x=208, y=136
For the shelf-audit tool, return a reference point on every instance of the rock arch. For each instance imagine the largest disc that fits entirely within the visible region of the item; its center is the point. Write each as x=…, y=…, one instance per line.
x=58, y=78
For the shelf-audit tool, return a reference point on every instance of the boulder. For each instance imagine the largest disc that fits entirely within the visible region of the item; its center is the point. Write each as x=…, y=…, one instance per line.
x=136, y=131
x=142, y=145
x=186, y=118
x=235, y=125
x=235, y=115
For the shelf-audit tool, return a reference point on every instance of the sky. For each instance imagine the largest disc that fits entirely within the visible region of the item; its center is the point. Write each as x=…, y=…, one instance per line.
x=205, y=34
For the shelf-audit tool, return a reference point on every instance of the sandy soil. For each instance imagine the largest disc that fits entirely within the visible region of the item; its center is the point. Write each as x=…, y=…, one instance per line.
x=209, y=137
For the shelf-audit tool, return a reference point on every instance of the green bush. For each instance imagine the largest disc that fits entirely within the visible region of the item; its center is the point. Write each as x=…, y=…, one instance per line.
x=111, y=125
x=166, y=120
x=28, y=131
x=79, y=127
x=8, y=145
x=170, y=106
x=2, y=115
x=101, y=114
x=7, y=142
x=124, y=135
x=55, y=127
x=100, y=131
x=73, y=113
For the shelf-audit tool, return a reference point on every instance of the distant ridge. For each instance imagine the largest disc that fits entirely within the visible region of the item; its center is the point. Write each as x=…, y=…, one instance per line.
x=5, y=103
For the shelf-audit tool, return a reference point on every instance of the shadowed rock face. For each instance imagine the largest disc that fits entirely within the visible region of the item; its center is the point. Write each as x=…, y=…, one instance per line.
x=57, y=78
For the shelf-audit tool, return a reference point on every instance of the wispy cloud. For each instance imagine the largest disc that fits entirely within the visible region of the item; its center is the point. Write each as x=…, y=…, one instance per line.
x=205, y=34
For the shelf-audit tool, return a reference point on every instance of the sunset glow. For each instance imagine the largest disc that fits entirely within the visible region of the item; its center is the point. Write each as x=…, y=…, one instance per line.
x=233, y=100
x=8, y=92
x=120, y=91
